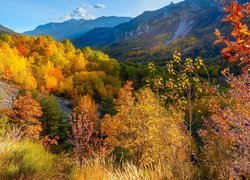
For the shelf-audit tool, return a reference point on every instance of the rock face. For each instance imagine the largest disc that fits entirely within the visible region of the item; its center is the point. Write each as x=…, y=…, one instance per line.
x=65, y=105
x=183, y=29
x=8, y=95
x=76, y=27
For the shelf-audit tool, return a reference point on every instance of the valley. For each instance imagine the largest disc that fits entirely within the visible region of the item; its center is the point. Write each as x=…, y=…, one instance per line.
x=92, y=95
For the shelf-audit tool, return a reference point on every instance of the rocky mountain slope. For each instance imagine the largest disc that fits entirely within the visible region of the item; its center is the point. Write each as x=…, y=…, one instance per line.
x=176, y=19
x=187, y=26
x=76, y=27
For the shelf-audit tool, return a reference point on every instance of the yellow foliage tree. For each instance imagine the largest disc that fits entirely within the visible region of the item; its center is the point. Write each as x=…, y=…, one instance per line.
x=149, y=132
x=43, y=63
x=183, y=87
x=13, y=66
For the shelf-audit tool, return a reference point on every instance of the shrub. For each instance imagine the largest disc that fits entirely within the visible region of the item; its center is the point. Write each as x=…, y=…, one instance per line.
x=24, y=159
x=28, y=160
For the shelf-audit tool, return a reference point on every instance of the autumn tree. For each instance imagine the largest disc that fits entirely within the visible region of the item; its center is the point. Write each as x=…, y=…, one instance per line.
x=83, y=121
x=50, y=66
x=15, y=67
x=53, y=76
x=183, y=86
x=149, y=132
x=97, y=84
x=238, y=49
x=98, y=61
x=25, y=114
x=226, y=136
x=226, y=132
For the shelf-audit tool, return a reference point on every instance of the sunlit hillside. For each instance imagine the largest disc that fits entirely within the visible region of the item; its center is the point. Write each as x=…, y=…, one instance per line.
x=164, y=95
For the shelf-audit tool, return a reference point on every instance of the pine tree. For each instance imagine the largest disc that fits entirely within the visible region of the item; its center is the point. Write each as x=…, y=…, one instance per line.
x=107, y=107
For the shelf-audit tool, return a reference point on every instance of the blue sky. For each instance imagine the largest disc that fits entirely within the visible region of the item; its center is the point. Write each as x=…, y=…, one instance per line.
x=23, y=15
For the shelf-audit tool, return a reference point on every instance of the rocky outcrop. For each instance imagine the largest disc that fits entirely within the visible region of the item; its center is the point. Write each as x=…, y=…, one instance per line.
x=8, y=95
x=65, y=105
x=183, y=29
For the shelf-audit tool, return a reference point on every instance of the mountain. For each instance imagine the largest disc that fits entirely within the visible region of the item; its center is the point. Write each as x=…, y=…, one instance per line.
x=187, y=26
x=5, y=30
x=75, y=27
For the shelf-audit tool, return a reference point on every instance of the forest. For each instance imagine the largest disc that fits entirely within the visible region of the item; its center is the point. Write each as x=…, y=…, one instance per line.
x=181, y=119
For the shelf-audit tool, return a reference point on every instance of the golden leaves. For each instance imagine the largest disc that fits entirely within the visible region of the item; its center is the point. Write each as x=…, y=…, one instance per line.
x=143, y=126
x=183, y=79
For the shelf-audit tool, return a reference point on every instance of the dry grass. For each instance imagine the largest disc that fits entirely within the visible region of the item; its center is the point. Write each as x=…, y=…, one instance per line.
x=26, y=160
x=96, y=169
x=102, y=170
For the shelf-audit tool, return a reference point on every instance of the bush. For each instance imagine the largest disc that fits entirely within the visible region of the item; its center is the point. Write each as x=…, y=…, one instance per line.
x=4, y=125
x=28, y=160
x=24, y=159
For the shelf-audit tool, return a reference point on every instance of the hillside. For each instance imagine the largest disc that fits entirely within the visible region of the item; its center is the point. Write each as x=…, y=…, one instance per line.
x=45, y=64
x=72, y=113
x=75, y=27
x=5, y=30
x=187, y=26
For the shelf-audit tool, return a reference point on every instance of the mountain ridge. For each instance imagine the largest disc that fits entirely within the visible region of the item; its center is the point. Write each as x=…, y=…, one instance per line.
x=193, y=21
x=141, y=23
x=4, y=29
x=74, y=28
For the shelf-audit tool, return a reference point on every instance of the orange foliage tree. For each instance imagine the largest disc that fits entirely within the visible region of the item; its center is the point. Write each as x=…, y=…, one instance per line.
x=83, y=121
x=25, y=114
x=239, y=49
x=226, y=134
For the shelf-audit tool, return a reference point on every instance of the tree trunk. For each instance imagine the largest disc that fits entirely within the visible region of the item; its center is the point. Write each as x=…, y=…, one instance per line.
x=190, y=111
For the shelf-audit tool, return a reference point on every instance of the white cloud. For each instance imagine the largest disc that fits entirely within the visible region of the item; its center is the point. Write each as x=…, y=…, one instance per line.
x=82, y=12
x=99, y=6
x=87, y=6
x=65, y=17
